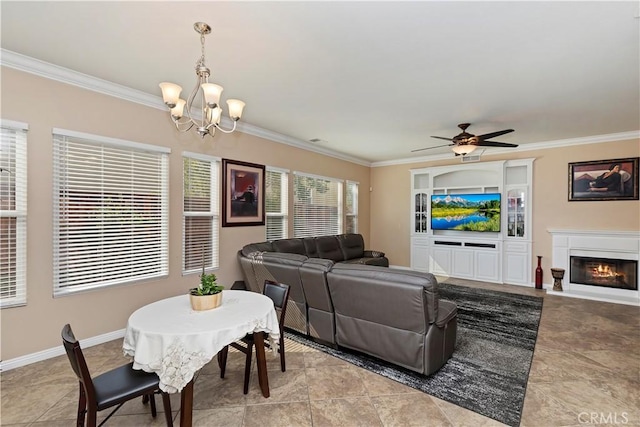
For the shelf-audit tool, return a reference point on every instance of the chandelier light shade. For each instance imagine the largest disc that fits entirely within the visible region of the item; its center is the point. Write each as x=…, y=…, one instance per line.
x=205, y=97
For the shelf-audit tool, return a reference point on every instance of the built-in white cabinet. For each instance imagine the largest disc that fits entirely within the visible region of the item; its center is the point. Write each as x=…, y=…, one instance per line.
x=517, y=239
x=500, y=253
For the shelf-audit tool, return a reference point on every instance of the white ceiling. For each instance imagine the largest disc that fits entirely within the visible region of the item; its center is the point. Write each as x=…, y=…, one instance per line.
x=372, y=79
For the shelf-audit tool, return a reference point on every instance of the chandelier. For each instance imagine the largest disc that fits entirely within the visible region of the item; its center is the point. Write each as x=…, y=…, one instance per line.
x=209, y=99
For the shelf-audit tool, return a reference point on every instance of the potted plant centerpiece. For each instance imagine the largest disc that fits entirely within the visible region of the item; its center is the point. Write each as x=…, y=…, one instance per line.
x=208, y=295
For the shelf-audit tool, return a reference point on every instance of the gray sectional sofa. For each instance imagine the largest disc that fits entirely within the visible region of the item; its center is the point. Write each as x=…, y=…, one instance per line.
x=342, y=295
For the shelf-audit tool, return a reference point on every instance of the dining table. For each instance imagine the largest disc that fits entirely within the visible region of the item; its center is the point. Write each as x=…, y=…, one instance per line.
x=171, y=339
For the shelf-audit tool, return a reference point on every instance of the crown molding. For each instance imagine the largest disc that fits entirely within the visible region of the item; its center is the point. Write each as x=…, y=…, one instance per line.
x=64, y=75
x=298, y=143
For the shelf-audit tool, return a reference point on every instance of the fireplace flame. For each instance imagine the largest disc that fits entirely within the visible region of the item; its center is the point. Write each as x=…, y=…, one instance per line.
x=604, y=271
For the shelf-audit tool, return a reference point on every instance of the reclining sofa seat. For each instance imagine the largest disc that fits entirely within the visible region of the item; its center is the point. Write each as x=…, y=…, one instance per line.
x=394, y=315
x=337, y=295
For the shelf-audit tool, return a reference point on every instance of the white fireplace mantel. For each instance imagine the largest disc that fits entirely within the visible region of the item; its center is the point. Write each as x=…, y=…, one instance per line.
x=596, y=243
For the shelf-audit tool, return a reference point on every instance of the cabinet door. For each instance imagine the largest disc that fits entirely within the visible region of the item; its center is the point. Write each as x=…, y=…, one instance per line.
x=516, y=268
x=419, y=255
x=441, y=260
x=517, y=263
x=487, y=266
x=421, y=213
x=516, y=212
x=463, y=263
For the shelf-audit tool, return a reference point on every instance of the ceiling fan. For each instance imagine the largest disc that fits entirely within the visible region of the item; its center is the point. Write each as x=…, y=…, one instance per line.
x=464, y=143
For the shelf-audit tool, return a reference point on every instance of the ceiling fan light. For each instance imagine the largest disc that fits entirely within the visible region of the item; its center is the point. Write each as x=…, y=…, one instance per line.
x=464, y=149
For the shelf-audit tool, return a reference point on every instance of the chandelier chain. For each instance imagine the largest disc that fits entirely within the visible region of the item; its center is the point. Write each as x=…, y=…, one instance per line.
x=201, y=61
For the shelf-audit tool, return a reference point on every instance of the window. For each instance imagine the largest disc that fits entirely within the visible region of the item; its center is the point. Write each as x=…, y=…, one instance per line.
x=317, y=206
x=277, y=203
x=13, y=214
x=351, y=207
x=201, y=215
x=110, y=212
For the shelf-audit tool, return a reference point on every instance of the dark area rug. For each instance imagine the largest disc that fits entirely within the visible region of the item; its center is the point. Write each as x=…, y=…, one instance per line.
x=489, y=369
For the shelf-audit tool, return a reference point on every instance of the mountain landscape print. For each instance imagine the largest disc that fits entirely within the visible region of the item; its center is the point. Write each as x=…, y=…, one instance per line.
x=466, y=212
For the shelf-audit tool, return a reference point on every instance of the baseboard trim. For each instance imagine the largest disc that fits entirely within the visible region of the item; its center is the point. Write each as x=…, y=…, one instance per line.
x=7, y=365
x=400, y=267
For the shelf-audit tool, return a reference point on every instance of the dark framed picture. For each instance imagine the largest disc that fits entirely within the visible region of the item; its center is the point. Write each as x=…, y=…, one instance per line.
x=242, y=193
x=614, y=179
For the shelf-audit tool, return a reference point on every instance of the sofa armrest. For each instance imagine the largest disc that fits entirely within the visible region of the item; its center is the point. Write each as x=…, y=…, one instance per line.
x=447, y=310
x=373, y=254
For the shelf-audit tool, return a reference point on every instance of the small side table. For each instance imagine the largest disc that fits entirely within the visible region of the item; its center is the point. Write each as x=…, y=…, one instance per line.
x=558, y=274
x=239, y=285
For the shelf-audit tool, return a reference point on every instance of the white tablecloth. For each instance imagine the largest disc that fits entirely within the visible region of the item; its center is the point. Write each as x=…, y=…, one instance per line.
x=169, y=338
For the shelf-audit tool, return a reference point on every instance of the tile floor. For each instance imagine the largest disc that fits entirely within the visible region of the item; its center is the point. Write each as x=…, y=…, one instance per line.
x=585, y=371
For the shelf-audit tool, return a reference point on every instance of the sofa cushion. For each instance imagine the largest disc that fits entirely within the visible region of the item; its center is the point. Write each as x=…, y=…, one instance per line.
x=310, y=247
x=290, y=246
x=329, y=248
x=352, y=245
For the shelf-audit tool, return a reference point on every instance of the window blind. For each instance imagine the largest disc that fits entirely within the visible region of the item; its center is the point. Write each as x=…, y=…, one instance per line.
x=317, y=207
x=201, y=216
x=110, y=212
x=276, y=204
x=351, y=207
x=13, y=214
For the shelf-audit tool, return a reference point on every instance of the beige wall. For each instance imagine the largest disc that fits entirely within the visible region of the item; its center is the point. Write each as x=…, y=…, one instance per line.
x=384, y=212
x=44, y=104
x=390, y=200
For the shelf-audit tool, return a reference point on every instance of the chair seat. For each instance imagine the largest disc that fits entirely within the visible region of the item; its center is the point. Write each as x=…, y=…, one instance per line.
x=118, y=385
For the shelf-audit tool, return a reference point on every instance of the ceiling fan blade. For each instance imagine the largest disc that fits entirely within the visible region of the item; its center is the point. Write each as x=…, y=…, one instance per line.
x=429, y=148
x=494, y=134
x=495, y=144
x=440, y=137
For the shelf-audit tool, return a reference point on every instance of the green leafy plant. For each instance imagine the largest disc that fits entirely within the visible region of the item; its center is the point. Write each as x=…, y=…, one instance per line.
x=208, y=285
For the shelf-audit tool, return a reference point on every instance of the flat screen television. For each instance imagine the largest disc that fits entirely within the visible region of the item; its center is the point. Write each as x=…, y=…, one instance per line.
x=466, y=212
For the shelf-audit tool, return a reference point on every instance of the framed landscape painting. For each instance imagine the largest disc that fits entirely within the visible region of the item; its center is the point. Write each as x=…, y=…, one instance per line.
x=242, y=193
x=614, y=179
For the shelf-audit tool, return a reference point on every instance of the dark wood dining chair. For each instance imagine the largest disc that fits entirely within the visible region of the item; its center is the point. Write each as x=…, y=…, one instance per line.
x=112, y=388
x=279, y=294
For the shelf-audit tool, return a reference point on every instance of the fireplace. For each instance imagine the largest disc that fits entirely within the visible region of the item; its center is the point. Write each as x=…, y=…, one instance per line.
x=601, y=265
x=607, y=272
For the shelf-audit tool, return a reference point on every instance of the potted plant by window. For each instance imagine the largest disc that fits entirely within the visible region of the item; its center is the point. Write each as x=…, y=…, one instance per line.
x=208, y=295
